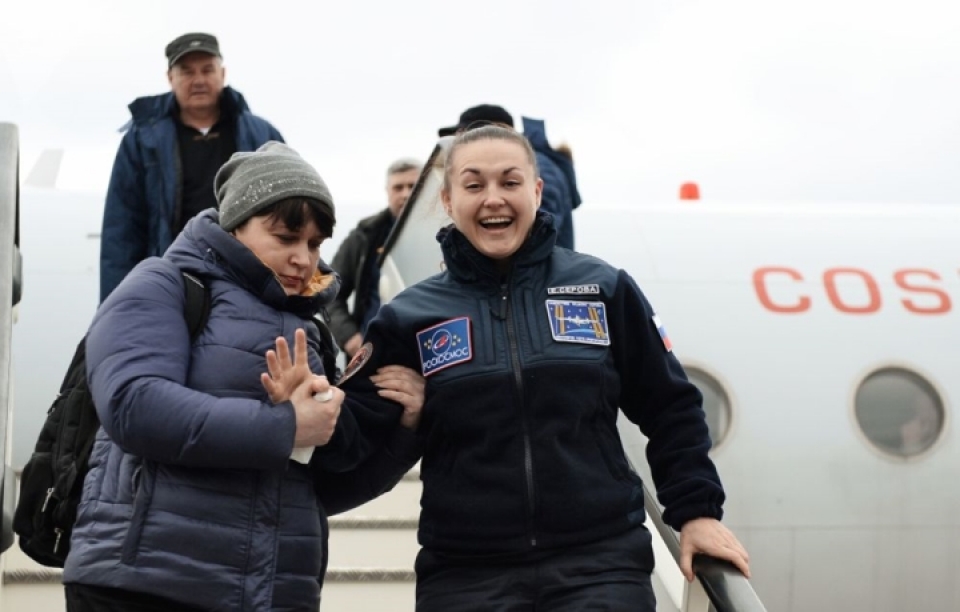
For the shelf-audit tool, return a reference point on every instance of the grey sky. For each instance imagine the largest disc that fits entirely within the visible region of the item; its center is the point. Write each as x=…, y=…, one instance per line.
x=755, y=100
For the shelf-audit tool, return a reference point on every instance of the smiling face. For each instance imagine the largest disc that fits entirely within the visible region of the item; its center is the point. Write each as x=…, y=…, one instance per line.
x=197, y=80
x=291, y=254
x=492, y=193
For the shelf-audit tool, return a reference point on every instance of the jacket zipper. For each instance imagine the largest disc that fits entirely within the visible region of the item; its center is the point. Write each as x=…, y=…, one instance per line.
x=518, y=381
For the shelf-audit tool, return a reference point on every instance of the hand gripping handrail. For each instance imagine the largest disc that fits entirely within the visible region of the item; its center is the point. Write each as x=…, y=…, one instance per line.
x=726, y=588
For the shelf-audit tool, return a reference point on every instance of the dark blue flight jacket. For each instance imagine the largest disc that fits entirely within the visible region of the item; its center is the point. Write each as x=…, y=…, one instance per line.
x=525, y=376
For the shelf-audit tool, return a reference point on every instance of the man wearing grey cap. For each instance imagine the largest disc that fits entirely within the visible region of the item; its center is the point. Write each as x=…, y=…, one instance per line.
x=173, y=146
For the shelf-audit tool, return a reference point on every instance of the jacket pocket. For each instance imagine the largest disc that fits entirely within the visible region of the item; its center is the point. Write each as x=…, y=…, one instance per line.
x=36, y=480
x=616, y=464
x=143, y=479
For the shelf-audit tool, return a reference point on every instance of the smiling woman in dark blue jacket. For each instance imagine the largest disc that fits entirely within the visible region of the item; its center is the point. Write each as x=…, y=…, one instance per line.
x=192, y=501
x=529, y=351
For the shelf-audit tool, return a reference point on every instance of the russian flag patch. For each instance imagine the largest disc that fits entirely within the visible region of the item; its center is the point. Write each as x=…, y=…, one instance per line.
x=663, y=333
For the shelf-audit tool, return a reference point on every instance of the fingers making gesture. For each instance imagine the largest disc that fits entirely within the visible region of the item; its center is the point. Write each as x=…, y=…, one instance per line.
x=283, y=375
x=288, y=378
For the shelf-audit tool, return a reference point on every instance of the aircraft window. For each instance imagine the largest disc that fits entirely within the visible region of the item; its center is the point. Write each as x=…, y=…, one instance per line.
x=899, y=411
x=716, y=403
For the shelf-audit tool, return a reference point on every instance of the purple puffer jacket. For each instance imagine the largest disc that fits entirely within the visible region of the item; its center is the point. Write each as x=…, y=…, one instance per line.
x=191, y=494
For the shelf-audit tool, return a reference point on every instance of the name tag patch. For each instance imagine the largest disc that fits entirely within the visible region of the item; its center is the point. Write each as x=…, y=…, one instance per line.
x=574, y=290
x=580, y=322
x=444, y=344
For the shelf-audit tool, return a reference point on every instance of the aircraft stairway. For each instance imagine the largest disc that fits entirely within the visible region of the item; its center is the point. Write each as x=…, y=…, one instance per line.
x=10, y=284
x=372, y=551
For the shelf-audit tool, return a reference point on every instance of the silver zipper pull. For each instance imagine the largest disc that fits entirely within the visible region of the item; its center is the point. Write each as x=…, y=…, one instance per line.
x=56, y=543
x=46, y=500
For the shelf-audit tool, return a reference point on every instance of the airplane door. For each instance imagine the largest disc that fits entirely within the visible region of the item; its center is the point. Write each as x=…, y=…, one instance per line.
x=412, y=252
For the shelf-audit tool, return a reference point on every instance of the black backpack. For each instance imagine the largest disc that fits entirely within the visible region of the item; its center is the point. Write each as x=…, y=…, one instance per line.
x=52, y=482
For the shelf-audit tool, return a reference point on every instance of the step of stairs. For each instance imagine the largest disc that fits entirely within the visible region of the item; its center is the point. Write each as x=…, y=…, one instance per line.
x=372, y=551
x=353, y=540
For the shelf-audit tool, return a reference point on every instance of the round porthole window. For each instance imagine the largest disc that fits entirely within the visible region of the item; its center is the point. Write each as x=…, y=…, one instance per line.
x=716, y=403
x=899, y=411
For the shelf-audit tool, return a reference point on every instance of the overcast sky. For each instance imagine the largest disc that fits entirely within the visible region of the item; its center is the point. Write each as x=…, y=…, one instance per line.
x=753, y=99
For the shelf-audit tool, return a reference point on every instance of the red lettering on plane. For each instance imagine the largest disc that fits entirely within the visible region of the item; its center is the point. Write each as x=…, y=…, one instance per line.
x=760, y=284
x=851, y=290
x=830, y=281
x=900, y=277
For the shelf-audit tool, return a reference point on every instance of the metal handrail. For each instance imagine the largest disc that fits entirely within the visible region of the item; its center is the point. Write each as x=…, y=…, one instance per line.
x=9, y=273
x=727, y=588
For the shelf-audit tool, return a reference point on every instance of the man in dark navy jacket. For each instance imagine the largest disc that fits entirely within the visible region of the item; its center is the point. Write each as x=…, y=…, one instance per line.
x=173, y=146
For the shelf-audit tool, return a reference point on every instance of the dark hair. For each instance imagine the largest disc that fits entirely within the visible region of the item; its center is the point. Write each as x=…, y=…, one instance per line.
x=487, y=131
x=292, y=213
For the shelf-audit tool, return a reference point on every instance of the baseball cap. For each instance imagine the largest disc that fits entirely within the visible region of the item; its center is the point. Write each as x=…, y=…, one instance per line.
x=482, y=113
x=195, y=42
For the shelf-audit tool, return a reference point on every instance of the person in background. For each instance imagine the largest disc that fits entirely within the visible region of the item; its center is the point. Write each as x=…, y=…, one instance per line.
x=173, y=146
x=560, y=193
x=357, y=260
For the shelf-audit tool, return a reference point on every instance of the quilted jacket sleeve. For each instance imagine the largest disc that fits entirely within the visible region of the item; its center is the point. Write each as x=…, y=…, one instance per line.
x=138, y=355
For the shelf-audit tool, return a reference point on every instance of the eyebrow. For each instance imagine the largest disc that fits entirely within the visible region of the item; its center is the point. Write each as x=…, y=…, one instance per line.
x=475, y=171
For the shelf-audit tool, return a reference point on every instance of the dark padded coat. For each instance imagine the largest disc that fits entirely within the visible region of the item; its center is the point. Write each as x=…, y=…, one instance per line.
x=191, y=493
x=143, y=199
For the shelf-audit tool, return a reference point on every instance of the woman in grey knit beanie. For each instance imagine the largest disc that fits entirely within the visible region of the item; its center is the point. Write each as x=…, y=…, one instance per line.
x=204, y=430
x=273, y=185
x=251, y=181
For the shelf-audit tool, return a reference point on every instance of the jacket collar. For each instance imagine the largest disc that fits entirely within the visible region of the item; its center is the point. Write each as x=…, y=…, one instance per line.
x=206, y=249
x=156, y=107
x=466, y=264
x=384, y=217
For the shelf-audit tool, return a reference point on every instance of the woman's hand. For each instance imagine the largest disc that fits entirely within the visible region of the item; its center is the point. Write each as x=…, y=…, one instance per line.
x=316, y=419
x=404, y=386
x=710, y=537
x=283, y=376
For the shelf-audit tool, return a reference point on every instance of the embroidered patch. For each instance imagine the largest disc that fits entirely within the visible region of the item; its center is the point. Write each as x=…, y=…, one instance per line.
x=444, y=344
x=574, y=290
x=581, y=322
x=360, y=359
x=663, y=333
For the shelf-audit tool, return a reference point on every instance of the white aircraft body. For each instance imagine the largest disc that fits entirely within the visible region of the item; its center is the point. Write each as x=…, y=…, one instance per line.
x=824, y=338
x=823, y=327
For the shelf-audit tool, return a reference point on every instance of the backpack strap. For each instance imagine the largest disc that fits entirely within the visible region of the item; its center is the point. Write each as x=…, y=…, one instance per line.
x=329, y=349
x=196, y=307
